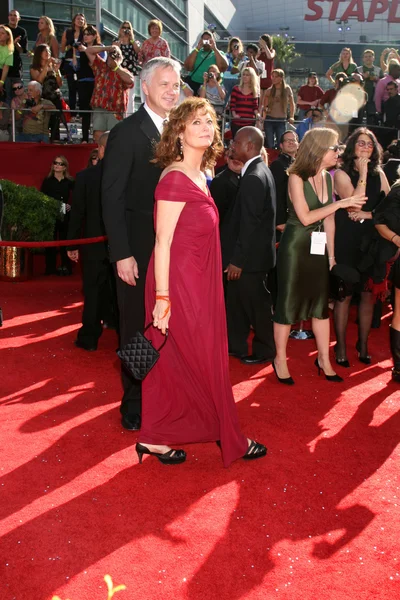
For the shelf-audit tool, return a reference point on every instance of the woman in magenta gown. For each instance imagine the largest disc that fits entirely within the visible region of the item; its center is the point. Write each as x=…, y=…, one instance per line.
x=187, y=396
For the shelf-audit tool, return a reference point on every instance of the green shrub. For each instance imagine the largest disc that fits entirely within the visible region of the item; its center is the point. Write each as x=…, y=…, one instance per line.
x=28, y=214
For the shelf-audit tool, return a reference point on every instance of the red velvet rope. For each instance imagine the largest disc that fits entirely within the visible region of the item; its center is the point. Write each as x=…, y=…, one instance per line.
x=79, y=242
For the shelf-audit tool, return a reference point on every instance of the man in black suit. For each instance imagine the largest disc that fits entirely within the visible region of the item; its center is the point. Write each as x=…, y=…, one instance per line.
x=129, y=182
x=248, y=252
x=98, y=285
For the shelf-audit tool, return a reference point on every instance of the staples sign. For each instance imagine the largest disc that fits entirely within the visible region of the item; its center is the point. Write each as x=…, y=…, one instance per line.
x=353, y=9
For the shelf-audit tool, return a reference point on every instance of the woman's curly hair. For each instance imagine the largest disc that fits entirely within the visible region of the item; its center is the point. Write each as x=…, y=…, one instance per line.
x=349, y=154
x=169, y=150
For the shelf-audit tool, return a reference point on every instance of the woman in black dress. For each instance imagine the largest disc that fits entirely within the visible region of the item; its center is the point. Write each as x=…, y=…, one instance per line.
x=361, y=173
x=130, y=51
x=387, y=221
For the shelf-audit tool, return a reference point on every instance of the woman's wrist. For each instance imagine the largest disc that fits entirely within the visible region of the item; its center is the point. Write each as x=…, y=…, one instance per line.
x=393, y=237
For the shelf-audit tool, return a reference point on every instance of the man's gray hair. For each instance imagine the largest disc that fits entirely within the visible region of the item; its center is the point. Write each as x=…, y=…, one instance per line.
x=158, y=63
x=38, y=86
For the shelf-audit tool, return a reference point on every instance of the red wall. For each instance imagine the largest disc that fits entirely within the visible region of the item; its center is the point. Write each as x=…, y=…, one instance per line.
x=29, y=163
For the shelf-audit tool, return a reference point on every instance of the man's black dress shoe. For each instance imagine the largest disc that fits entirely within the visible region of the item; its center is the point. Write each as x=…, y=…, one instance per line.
x=132, y=423
x=237, y=355
x=87, y=347
x=253, y=359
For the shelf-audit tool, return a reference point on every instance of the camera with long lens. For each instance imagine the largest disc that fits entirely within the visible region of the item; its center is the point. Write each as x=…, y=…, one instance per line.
x=76, y=45
x=30, y=103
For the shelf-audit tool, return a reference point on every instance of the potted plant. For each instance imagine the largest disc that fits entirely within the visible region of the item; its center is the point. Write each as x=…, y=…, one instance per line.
x=28, y=215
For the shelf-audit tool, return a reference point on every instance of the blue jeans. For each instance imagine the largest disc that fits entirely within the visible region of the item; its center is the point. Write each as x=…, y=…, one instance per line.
x=32, y=137
x=274, y=128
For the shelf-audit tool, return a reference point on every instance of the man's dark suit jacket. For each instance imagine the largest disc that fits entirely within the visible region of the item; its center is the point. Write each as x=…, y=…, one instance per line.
x=129, y=181
x=279, y=172
x=223, y=189
x=248, y=232
x=85, y=216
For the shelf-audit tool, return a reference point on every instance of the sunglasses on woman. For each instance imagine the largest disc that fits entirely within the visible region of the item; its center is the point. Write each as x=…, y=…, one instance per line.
x=59, y=163
x=363, y=144
x=18, y=87
x=335, y=148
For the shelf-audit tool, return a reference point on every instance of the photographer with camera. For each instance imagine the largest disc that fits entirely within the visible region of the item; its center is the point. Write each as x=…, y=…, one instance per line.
x=111, y=85
x=85, y=75
x=46, y=70
x=250, y=59
x=130, y=49
x=70, y=41
x=213, y=90
x=203, y=55
x=234, y=55
x=35, y=124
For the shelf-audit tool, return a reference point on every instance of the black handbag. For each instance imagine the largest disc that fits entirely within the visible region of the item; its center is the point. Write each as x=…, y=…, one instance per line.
x=139, y=355
x=342, y=279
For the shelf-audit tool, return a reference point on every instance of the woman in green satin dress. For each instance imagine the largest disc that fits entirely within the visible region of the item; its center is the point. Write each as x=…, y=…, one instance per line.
x=303, y=278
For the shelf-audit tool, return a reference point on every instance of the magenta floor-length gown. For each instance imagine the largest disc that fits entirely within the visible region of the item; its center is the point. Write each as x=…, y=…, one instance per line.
x=187, y=396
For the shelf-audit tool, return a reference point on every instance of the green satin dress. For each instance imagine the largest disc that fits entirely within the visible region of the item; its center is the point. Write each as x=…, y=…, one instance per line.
x=303, y=278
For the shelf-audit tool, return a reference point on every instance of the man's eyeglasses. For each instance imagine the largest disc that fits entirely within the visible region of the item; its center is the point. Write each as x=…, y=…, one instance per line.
x=335, y=148
x=59, y=163
x=363, y=144
x=290, y=140
x=18, y=87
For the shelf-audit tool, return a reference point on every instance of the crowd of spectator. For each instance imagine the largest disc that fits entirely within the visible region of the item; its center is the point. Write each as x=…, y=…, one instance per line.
x=244, y=83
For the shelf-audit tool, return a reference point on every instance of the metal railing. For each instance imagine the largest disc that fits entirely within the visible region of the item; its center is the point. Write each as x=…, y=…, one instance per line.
x=70, y=129
x=67, y=126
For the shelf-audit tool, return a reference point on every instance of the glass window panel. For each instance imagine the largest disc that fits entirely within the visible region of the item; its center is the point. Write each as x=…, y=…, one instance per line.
x=29, y=8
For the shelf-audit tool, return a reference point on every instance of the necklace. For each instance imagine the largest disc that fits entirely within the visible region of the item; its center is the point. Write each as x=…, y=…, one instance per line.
x=322, y=189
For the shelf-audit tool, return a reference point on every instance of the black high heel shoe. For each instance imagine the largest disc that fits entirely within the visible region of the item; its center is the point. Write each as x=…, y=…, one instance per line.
x=285, y=380
x=342, y=362
x=335, y=377
x=364, y=359
x=255, y=450
x=172, y=457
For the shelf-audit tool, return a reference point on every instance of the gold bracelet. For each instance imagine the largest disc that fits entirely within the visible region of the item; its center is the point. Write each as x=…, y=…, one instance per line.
x=362, y=182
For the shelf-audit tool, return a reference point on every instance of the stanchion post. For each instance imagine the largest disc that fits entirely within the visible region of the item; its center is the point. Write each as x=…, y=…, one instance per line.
x=13, y=128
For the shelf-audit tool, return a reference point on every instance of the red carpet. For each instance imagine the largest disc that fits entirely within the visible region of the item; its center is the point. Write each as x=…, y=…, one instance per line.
x=318, y=518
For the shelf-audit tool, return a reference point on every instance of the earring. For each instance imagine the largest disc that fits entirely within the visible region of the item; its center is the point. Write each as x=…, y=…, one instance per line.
x=180, y=147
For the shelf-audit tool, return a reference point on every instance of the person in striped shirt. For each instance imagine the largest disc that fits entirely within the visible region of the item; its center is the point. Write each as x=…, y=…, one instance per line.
x=244, y=100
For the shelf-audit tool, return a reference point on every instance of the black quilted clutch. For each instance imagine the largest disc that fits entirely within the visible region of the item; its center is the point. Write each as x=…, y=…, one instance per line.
x=139, y=355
